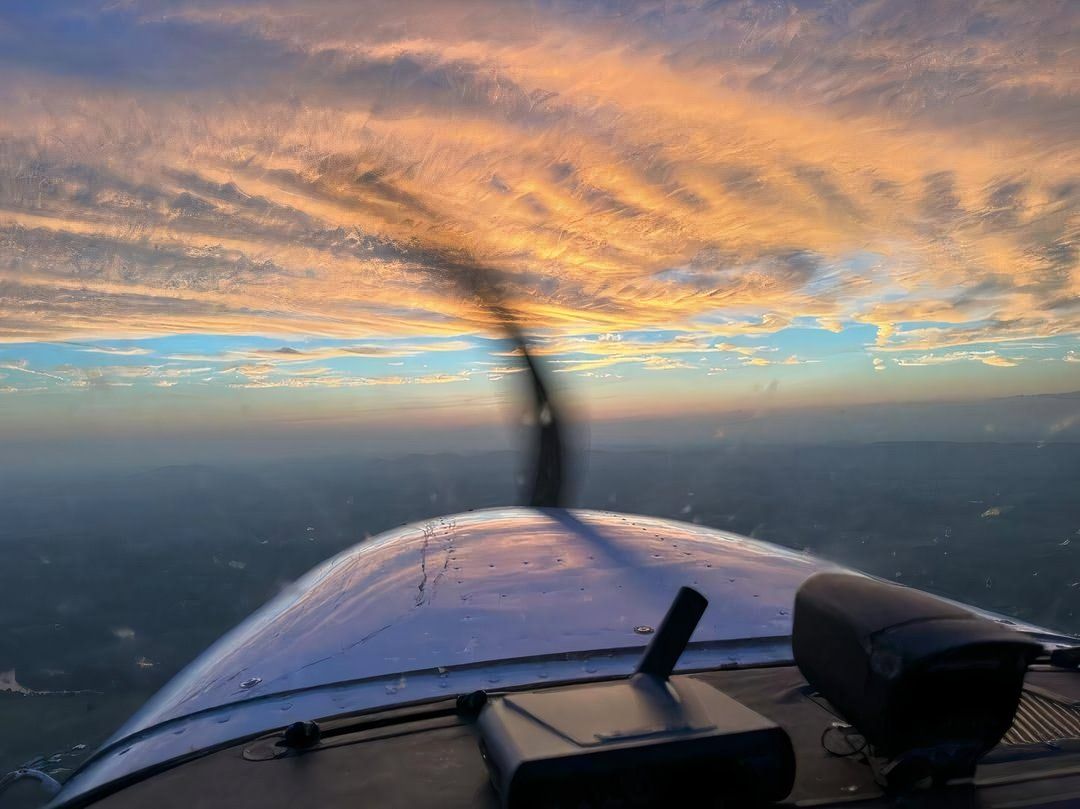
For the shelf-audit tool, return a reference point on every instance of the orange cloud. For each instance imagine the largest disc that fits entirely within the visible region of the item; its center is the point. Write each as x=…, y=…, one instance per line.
x=289, y=168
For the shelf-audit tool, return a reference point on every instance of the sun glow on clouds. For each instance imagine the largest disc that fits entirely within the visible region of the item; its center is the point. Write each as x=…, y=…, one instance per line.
x=673, y=188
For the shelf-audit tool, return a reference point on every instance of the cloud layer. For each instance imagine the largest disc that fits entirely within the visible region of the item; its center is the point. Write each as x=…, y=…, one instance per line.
x=720, y=170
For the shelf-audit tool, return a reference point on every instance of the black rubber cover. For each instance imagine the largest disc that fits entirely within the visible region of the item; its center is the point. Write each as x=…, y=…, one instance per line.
x=908, y=670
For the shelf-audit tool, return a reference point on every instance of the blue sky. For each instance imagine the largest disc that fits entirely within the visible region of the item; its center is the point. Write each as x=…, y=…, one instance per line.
x=215, y=211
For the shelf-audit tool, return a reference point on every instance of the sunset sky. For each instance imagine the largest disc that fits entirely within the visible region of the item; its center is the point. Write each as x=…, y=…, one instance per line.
x=214, y=214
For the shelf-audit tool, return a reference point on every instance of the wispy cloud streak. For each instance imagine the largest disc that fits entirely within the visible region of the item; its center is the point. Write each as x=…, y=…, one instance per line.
x=722, y=170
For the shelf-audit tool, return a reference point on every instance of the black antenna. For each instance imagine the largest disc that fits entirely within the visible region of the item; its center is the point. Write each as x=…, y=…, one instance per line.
x=674, y=633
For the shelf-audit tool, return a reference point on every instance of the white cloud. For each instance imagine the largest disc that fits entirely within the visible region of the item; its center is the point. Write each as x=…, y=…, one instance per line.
x=132, y=351
x=986, y=357
x=619, y=176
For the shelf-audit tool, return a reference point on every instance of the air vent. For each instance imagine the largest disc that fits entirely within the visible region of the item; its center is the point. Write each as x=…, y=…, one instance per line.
x=1040, y=718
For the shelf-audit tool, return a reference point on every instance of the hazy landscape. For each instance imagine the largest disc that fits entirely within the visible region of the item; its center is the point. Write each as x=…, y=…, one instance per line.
x=113, y=581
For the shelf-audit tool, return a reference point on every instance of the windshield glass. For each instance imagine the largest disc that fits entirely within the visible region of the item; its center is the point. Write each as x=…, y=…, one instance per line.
x=804, y=272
